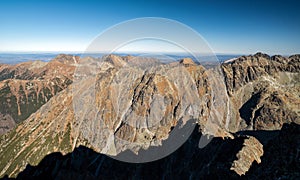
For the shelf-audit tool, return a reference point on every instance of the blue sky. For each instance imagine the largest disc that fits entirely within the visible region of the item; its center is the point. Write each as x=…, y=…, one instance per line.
x=228, y=26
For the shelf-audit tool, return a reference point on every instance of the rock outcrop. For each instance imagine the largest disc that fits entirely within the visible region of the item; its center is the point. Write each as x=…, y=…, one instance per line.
x=252, y=151
x=281, y=156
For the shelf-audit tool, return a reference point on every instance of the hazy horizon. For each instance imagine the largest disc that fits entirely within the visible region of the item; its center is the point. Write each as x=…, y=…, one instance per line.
x=19, y=57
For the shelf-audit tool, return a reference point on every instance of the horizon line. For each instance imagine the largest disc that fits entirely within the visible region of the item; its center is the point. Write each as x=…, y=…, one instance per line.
x=121, y=52
x=137, y=52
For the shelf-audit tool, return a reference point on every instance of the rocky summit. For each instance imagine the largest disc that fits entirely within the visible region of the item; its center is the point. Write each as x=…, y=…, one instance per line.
x=62, y=118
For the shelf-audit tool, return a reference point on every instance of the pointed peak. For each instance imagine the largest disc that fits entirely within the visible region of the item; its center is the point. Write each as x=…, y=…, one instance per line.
x=115, y=60
x=187, y=61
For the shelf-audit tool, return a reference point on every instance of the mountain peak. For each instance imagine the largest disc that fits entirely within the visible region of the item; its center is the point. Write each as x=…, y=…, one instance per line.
x=66, y=59
x=187, y=61
x=262, y=55
x=115, y=60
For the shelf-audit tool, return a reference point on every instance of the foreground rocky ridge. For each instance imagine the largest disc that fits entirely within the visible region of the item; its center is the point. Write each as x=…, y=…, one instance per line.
x=280, y=161
x=198, y=94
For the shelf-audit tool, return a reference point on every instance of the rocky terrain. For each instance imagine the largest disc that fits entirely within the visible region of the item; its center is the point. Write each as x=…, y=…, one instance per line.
x=265, y=90
x=280, y=161
x=25, y=87
x=84, y=108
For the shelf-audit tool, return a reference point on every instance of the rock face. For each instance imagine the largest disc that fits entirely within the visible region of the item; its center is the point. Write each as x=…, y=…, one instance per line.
x=250, y=68
x=156, y=100
x=25, y=87
x=264, y=90
x=122, y=105
x=6, y=123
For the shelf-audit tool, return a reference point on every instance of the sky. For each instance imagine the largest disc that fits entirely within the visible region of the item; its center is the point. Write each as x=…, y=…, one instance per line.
x=230, y=27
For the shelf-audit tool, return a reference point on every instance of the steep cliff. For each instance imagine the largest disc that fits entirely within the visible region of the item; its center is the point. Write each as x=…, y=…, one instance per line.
x=264, y=90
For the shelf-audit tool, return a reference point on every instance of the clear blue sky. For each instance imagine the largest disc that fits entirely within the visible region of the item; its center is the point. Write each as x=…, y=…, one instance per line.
x=228, y=26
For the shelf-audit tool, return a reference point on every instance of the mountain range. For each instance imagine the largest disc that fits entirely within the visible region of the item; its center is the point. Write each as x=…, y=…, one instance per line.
x=65, y=117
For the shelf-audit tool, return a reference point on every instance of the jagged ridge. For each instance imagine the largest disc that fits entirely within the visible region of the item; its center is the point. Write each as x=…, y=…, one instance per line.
x=264, y=101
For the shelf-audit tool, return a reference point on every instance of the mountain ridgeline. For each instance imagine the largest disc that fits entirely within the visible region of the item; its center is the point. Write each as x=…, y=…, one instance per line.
x=25, y=87
x=61, y=118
